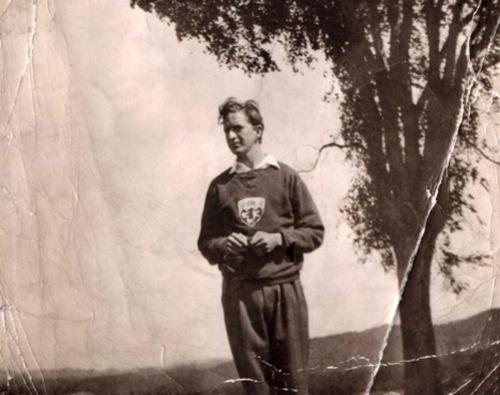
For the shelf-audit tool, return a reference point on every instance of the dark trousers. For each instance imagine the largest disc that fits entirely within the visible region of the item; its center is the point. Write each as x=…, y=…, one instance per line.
x=267, y=327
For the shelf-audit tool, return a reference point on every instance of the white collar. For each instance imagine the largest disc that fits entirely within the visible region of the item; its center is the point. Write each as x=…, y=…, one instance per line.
x=267, y=161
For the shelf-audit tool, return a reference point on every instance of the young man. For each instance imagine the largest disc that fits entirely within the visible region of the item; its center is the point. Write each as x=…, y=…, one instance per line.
x=257, y=223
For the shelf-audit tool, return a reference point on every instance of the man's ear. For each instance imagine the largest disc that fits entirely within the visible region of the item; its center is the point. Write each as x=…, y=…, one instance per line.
x=260, y=131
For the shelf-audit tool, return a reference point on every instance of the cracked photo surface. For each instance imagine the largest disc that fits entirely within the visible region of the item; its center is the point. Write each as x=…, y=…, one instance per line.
x=249, y=197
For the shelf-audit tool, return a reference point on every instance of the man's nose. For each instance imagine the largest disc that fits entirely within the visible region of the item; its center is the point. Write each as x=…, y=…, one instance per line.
x=231, y=134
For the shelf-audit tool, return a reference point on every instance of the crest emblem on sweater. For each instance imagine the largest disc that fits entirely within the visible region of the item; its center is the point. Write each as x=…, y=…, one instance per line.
x=251, y=210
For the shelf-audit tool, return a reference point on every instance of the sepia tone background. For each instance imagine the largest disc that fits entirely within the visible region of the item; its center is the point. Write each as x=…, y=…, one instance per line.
x=109, y=138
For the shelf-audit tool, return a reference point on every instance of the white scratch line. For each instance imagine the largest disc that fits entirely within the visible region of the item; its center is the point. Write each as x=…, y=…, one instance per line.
x=467, y=382
x=242, y=380
x=486, y=378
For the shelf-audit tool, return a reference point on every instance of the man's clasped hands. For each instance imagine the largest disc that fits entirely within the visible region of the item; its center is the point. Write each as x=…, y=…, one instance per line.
x=237, y=244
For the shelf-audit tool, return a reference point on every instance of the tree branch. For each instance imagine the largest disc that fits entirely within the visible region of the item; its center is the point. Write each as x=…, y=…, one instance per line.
x=450, y=48
x=424, y=96
x=432, y=21
x=480, y=151
x=330, y=145
x=376, y=18
x=484, y=33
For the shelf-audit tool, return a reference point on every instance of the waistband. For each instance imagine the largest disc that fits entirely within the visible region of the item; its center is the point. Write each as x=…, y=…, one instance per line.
x=263, y=281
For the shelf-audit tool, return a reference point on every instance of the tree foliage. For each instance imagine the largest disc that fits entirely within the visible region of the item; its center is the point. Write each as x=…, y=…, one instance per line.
x=409, y=72
x=404, y=68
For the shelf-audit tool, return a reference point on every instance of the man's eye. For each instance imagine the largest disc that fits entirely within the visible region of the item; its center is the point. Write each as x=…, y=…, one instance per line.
x=234, y=129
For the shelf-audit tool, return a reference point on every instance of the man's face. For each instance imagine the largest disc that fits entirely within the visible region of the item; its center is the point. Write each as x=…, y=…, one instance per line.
x=241, y=135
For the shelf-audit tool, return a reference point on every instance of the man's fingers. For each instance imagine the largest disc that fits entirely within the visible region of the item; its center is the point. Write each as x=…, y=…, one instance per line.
x=233, y=249
x=233, y=240
x=236, y=243
x=257, y=239
x=241, y=237
x=233, y=243
x=259, y=244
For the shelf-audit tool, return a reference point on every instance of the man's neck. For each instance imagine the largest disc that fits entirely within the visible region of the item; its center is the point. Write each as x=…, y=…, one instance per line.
x=252, y=157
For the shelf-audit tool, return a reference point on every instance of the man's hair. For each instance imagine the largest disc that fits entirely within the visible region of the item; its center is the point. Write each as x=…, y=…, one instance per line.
x=249, y=107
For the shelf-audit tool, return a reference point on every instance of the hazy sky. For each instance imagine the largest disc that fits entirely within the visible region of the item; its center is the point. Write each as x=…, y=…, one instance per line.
x=109, y=150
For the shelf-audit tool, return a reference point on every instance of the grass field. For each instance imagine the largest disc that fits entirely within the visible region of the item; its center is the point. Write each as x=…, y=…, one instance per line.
x=469, y=357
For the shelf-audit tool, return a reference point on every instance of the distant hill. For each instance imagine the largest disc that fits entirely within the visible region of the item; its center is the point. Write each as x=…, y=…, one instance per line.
x=469, y=351
x=449, y=337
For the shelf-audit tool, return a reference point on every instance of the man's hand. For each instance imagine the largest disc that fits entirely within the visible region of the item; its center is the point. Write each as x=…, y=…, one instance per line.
x=235, y=244
x=263, y=242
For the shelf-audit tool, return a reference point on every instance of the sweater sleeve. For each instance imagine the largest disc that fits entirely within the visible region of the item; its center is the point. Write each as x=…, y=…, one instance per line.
x=210, y=240
x=307, y=233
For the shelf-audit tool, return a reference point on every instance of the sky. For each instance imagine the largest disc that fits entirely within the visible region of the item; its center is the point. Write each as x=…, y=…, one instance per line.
x=111, y=139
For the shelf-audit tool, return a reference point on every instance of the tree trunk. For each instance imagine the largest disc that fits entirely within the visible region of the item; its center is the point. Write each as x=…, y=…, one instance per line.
x=421, y=377
x=421, y=372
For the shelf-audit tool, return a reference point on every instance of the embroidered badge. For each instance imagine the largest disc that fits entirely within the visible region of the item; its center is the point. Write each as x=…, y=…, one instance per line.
x=251, y=210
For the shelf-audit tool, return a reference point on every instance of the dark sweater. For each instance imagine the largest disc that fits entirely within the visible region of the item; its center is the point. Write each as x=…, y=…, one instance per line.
x=270, y=200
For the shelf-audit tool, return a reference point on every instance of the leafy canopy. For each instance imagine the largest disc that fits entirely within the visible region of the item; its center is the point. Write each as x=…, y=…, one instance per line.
x=405, y=69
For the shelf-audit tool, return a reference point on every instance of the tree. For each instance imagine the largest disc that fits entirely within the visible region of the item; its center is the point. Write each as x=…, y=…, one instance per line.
x=406, y=70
